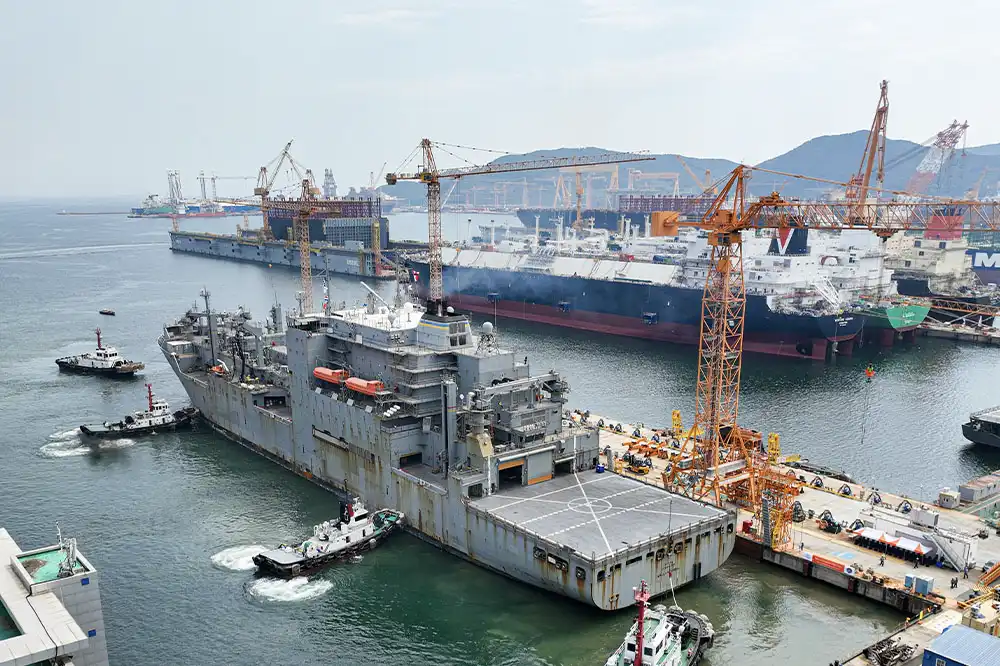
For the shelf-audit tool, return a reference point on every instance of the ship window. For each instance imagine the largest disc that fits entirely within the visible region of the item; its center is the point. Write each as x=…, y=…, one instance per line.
x=476, y=490
x=921, y=253
x=631, y=647
x=647, y=651
x=941, y=245
x=906, y=263
x=916, y=243
x=601, y=574
x=632, y=561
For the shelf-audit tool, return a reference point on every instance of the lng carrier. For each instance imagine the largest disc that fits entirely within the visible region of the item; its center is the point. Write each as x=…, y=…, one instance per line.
x=420, y=415
x=807, y=295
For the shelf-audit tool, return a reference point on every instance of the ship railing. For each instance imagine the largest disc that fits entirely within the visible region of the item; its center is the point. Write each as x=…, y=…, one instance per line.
x=647, y=545
x=985, y=412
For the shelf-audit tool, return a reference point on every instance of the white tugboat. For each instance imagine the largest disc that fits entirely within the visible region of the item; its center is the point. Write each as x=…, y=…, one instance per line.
x=101, y=361
x=663, y=636
x=157, y=417
x=356, y=530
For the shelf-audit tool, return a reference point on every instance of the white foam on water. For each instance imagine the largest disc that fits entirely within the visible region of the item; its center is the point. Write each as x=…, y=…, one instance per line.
x=64, y=449
x=237, y=558
x=67, y=446
x=65, y=436
x=296, y=589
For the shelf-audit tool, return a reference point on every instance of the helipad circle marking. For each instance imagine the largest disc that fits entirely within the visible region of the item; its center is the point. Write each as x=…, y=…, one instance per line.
x=583, y=505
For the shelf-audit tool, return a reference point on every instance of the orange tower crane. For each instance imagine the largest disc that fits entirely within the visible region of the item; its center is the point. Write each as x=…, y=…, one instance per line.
x=725, y=460
x=432, y=176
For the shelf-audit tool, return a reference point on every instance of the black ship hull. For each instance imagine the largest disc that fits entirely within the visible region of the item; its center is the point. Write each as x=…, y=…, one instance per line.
x=917, y=286
x=981, y=433
x=127, y=371
x=637, y=310
x=182, y=419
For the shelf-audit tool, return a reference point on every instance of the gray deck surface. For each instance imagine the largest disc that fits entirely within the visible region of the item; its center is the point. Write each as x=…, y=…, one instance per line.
x=595, y=513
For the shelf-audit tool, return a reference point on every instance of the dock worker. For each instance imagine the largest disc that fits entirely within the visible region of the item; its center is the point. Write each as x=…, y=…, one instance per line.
x=881, y=561
x=965, y=571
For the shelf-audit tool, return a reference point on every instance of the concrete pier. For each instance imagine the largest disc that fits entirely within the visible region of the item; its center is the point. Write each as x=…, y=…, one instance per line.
x=837, y=560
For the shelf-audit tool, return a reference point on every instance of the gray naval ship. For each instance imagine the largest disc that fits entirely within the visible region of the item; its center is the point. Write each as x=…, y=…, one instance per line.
x=445, y=426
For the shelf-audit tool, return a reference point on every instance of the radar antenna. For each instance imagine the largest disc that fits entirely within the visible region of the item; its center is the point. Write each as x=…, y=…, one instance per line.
x=487, y=340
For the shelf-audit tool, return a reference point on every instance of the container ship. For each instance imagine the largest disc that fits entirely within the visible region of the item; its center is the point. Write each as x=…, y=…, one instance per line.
x=802, y=301
x=409, y=409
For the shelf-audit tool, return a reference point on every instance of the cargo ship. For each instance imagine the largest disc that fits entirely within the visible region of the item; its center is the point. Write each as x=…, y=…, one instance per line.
x=446, y=427
x=352, y=258
x=938, y=266
x=153, y=207
x=799, y=303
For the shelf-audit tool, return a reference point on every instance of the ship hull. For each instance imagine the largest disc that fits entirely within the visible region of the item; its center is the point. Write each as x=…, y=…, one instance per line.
x=986, y=264
x=125, y=372
x=182, y=419
x=917, y=286
x=321, y=446
x=900, y=318
x=651, y=312
x=332, y=260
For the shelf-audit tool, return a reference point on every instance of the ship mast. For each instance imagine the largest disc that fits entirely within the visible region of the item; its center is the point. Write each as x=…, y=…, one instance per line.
x=641, y=597
x=149, y=392
x=98, y=331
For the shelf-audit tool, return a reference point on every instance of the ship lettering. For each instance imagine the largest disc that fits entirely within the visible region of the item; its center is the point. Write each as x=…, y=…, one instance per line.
x=986, y=260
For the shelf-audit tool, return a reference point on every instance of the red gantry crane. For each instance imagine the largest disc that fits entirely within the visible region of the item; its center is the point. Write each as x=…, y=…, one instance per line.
x=432, y=176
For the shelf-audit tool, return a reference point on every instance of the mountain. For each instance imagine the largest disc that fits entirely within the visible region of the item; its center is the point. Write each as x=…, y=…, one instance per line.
x=834, y=157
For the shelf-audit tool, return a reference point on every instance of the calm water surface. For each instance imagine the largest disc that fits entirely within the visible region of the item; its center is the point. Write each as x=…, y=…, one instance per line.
x=172, y=520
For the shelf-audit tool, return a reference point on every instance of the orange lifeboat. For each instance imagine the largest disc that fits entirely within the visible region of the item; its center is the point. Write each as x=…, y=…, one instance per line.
x=368, y=387
x=331, y=376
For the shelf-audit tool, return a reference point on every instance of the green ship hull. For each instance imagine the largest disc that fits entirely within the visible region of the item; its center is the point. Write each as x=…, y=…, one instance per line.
x=898, y=317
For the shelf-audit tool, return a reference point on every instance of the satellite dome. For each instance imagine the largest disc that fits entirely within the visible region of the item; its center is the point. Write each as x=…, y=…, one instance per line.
x=408, y=307
x=451, y=310
x=487, y=328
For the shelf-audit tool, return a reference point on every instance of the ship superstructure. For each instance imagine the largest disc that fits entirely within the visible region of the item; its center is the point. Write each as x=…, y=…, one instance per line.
x=419, y=414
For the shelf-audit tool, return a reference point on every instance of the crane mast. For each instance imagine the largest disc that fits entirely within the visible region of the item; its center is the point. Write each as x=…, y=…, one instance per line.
x=857, y=187
x=430, y=175
x=727, y=461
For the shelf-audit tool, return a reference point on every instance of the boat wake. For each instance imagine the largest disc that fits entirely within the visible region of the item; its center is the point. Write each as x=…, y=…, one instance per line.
x=70, y=251
x=69, y=444
x=280, y=590
x=237, y=558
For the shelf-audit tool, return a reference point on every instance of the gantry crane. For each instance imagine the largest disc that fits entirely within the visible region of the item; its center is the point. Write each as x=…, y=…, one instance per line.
x=727, y=461
x=430, y=175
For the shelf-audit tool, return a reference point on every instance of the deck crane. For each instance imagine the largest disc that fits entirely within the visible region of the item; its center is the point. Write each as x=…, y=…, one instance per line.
x=432, y=176
x=727, y=460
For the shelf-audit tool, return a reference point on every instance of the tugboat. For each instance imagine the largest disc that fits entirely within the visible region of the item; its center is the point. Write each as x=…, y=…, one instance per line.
x=663, y=636
x=102, y=361
x=157, y=417
x=357, y=530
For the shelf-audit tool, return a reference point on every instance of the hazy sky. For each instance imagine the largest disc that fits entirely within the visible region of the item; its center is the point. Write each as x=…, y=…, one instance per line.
x=102, y=97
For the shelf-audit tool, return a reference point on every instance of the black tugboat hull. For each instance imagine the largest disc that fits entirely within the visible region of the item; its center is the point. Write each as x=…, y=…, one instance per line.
x=268, y=567
x=184, y=418
x=124, y=372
